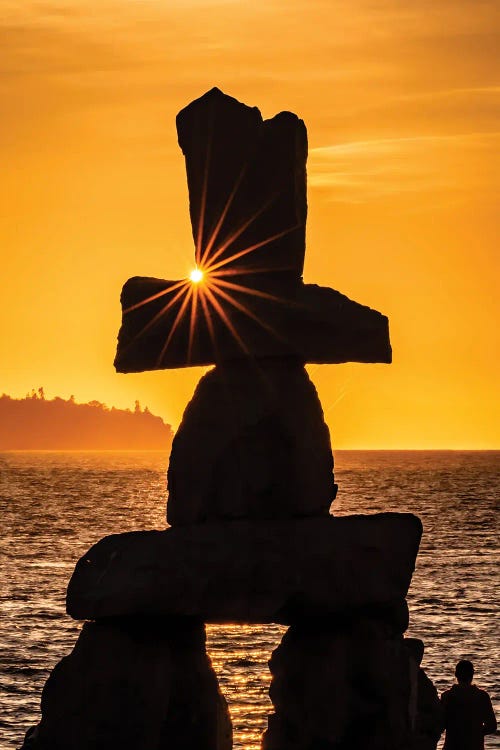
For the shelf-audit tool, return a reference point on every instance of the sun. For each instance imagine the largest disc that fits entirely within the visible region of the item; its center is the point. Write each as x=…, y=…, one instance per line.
x=196, y=275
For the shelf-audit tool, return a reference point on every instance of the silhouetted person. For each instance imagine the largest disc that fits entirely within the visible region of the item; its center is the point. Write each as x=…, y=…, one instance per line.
x=467, y=712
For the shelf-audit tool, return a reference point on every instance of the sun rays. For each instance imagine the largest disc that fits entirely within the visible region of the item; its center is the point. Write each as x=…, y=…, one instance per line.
x=207, y=295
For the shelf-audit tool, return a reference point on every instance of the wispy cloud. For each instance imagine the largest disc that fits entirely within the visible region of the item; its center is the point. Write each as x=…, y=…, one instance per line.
x=451, y=93
x=359, y=171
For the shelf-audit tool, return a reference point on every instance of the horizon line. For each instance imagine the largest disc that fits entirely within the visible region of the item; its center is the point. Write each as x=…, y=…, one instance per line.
x=334, y=450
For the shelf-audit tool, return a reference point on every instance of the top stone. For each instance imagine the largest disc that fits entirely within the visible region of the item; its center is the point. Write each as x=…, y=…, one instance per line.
x=247, y=185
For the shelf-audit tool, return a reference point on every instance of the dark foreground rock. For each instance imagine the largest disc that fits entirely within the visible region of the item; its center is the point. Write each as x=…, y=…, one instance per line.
x=244, y=571
x=130, y=685
x=253, y=443
x=312, y=323
x=349, y=689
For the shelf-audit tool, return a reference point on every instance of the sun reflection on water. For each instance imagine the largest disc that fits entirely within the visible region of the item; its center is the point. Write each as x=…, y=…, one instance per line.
x=239, y=655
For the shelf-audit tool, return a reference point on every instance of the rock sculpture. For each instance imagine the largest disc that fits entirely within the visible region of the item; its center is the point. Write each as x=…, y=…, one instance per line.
x=250, y=488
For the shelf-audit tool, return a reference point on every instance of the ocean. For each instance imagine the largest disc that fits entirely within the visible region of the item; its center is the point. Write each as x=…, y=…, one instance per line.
x=56, y=505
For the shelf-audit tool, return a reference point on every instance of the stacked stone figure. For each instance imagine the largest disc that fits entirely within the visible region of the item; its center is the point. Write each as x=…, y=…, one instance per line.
x=250, y=481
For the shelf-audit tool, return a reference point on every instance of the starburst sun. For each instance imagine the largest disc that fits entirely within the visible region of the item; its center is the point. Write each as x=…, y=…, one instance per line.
x=196, y=275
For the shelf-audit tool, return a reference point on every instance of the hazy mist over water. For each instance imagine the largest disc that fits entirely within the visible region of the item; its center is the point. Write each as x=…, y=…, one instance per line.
x=55, y=505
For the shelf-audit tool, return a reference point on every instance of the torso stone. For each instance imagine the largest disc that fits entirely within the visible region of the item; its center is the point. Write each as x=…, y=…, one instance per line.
x=253, y=443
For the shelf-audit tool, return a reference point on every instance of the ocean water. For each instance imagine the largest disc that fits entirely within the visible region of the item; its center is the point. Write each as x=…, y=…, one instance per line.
x=55, y=505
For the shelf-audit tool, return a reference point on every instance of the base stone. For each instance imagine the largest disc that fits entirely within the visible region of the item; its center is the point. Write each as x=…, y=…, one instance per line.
x=253, y=443
x=134, y=685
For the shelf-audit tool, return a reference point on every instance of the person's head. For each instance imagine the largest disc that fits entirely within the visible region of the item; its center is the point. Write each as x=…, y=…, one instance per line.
x=464, y=672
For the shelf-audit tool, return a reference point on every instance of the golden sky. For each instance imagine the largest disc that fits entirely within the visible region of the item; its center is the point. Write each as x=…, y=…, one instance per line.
x=401, y=101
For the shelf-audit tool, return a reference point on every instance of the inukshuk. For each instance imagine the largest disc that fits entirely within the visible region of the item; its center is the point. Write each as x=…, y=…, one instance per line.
x=250, y=488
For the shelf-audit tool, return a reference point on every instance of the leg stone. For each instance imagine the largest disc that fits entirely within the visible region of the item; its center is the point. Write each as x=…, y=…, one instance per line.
x=134, y=685
x=351, y=690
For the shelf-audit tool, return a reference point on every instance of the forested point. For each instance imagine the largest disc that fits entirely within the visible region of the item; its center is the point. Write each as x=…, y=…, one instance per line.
x=38, y=423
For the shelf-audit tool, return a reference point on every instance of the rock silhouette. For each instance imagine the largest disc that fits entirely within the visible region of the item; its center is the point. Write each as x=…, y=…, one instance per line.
x=350, y=687
x=311, y=323
x=253, y=443
x=146, y=684
x=251, y=571
x=250, y=488
x=246, y=176
x=247, y=190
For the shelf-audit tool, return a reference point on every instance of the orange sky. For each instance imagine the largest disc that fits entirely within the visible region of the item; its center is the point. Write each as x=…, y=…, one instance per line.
x=400, y=100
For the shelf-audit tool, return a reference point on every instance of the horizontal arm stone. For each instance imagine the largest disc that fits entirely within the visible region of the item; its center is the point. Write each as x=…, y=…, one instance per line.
x=315, y=324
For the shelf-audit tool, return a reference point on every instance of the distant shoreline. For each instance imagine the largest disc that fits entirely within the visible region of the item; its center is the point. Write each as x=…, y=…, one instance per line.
x=37, y=424
x=85, y=450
